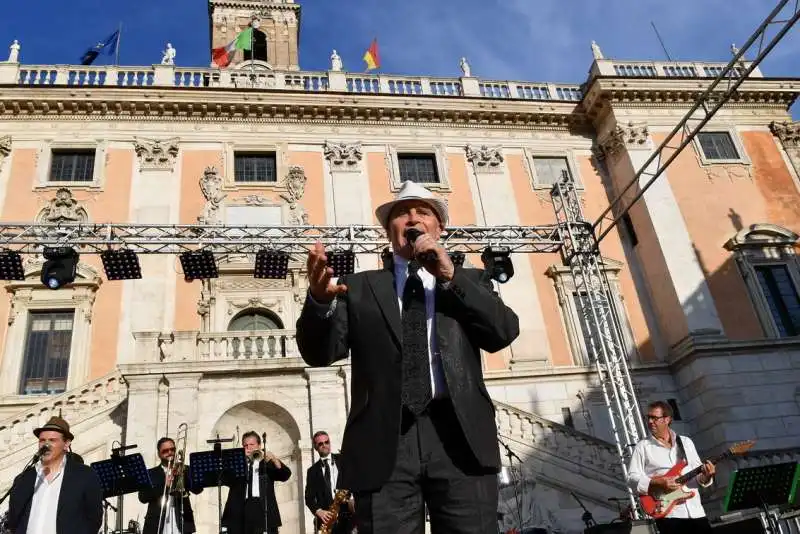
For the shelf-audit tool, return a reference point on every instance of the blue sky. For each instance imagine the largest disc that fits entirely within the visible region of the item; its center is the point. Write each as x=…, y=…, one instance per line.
x=530, y=40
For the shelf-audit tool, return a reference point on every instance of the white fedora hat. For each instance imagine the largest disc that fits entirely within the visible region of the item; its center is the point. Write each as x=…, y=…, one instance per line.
x=412, y=191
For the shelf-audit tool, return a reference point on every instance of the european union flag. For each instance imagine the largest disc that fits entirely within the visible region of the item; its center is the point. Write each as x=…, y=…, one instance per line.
x=109, y=46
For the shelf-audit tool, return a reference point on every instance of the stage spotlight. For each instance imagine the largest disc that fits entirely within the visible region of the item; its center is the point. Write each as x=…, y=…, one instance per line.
x=60, y=267
x=271, y=264
x=198, y=264
x=457, y=258
x=11, y=266
x=342, y=262
x=122, y=264
x=497, y=262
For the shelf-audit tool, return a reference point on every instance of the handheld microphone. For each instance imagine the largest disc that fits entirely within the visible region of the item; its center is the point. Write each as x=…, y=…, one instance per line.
x=41, y=452
x=411, y=235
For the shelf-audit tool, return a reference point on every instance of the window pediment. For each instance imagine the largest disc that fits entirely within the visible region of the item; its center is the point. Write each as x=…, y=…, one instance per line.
x=762, y=235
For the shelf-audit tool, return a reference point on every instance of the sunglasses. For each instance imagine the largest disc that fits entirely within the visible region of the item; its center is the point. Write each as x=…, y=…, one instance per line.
x=321, y=443
x=655, y=417
x=170, y=449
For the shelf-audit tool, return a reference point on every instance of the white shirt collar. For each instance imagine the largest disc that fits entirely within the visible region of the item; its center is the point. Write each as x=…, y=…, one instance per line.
x=401, y=269
x=40, y=466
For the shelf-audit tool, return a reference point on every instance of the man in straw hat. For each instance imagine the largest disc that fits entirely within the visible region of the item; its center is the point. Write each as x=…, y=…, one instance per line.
x=58, y=494
x=421, y=429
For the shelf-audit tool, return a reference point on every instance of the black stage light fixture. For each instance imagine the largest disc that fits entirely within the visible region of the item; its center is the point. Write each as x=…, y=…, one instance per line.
x=271, y=264
x=11, y=265
x=342, y=262
x=198, y=264
x=60, y=267
x=497, y=262
x=122, y=264
x=457, y=258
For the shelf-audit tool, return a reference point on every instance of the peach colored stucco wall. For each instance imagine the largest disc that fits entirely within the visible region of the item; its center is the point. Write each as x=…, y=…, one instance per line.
x=710, y=207
x=103, y=206
x=314, y=197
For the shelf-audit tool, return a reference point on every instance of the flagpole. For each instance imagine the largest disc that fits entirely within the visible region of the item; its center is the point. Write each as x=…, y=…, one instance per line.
x=119, y=38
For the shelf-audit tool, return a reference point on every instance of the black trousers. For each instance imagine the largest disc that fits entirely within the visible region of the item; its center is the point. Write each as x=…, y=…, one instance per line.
x=254, y=519
x=435, y=469
x=698, y=525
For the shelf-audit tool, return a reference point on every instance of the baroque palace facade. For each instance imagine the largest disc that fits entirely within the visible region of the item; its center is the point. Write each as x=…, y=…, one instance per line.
x=704, y=271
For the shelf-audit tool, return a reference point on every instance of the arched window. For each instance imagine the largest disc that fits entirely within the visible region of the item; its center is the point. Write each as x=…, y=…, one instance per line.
x=259, y=47
x=250, y=320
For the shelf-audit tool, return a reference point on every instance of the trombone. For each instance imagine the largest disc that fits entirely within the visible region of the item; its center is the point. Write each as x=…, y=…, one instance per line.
x=176, y=488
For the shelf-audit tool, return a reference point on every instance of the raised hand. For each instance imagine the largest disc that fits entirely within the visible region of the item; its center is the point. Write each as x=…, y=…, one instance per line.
x=319, y=276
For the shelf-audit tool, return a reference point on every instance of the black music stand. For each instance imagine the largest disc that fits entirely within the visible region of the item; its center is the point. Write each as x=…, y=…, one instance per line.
x=121, y=475
x=762, y=487
x=209, y=468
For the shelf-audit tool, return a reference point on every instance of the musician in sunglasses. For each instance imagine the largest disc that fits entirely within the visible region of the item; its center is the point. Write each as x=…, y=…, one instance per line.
x=321, y=486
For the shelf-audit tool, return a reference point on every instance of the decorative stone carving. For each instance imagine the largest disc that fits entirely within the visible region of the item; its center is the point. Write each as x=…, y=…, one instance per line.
x=168, y=55
x=63, y=208
x=295, y=189
x=211, y=186
x=466, y=70
x=155, y=154
x=255, y=302
x=631, y=136
x=250, y=283
x=343, y=156
x=5, y=149
x=729, y=172
x=13, y=52
x=485, y=158
x=336, y=62
x=787, y=132
x=596, y=52
x=255, y=200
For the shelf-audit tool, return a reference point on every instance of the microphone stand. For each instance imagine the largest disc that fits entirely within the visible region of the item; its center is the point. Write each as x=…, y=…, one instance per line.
x=117, y=453
x=587, y=518
x=218, y=450
x=106, y=506
x=515, y=480
x=30, y=463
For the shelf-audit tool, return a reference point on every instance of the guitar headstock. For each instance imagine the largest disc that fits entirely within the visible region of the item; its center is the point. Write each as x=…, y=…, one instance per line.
x=742, y=447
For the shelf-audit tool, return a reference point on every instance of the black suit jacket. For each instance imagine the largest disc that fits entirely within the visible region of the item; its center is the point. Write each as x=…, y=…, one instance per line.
x=268, y=474
x=152, y=497
x=366, y=322
x=317, y=494
x=80, y=503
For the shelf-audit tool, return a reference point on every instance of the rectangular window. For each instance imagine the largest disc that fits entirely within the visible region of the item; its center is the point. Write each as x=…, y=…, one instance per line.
x=419, y=168
x=255, y=167
x=717, y=145
x=590, y=333
x=72, y=166
x=47, y=348
x=781, y=295
x=549, y=171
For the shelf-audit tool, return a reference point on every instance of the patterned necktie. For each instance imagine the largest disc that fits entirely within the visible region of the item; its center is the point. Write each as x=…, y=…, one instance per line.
x=326, y=469
x=416, y=387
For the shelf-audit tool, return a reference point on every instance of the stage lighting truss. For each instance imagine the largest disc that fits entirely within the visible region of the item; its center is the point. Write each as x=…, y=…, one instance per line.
x=198, y=265
x=271, y=264
x=11, y=265
x=122, y=264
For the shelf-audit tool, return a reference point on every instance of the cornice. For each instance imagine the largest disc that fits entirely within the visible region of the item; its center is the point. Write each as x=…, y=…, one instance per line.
x=244, y=4
x=672, y=92
x=209, y=105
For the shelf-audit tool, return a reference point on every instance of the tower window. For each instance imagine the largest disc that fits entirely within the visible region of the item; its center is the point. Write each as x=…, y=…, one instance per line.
x=259, y=44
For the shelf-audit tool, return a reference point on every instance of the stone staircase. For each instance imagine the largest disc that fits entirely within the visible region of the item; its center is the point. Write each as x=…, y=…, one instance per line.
x=557, y=463
x=89, y=409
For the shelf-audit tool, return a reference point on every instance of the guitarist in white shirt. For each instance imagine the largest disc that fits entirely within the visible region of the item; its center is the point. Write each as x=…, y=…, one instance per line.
x=657, y=454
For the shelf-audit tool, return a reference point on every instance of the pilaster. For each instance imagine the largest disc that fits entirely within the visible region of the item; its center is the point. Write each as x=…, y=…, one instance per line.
x=183, y=406
x=789, y=135
x=327, y=408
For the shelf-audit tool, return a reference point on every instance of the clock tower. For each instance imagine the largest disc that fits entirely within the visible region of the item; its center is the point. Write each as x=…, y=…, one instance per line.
x=276, y=29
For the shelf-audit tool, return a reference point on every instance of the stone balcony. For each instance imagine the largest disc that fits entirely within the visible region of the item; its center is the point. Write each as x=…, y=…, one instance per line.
x=256, y=76
x=203, y=347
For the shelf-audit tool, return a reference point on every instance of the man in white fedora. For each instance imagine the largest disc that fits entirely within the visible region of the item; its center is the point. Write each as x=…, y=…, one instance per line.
x=421, y=429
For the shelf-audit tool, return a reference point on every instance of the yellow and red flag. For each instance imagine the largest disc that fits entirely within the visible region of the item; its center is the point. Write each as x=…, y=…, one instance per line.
x=372, y=58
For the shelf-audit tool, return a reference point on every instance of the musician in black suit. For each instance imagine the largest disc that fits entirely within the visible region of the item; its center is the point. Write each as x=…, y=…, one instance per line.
x=251, y=507
x=421, y=429
x=57, y=495
x=321, y=485
x=178, y=517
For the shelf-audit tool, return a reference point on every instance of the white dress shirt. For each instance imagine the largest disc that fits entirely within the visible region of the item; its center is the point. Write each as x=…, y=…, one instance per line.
x=256, y=484
x=334, y=472
x=652, y=459
x=44, y=506
x=170, y=522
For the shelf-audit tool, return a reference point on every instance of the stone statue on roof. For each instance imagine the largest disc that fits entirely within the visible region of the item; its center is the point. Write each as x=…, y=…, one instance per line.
x=596, y=52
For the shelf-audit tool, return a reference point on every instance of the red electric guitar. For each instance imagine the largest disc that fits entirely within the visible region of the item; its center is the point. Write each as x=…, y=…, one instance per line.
x=662, y=503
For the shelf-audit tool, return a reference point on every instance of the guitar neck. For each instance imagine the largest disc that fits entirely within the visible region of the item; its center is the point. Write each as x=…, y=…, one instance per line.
x=683, y=479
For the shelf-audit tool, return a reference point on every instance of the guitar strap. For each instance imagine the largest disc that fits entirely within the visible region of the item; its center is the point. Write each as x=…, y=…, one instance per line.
x=681, y=450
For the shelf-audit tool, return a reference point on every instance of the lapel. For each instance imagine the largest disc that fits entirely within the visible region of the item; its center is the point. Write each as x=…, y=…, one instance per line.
x=382, y=285
x=68, y=488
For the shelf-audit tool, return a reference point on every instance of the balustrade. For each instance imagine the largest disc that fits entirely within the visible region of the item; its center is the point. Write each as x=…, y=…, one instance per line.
x=227, y=346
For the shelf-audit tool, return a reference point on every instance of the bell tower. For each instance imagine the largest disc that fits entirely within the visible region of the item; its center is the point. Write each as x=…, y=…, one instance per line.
x=276, y=34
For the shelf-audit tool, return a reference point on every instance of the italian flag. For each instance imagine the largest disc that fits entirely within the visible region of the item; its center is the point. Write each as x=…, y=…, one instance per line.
x=224, y=55
x=372, y=58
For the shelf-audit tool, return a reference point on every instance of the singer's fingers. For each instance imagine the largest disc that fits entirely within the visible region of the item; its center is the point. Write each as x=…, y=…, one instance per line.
x=339, y=289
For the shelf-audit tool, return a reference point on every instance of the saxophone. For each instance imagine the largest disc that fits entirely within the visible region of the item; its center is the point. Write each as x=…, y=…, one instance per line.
x=341, y=497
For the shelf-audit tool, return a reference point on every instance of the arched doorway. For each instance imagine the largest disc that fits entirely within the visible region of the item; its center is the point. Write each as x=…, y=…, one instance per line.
x=282, y=439
x=258, y=335
x=259, y=47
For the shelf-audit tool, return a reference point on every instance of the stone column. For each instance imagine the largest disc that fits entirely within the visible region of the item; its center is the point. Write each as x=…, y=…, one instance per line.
x=789, y=135
x=681, y=262
x=183, y=406
x=496, y=205
x=326, y=408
